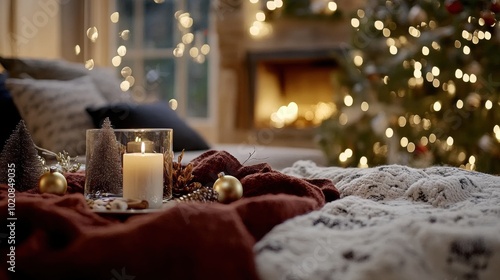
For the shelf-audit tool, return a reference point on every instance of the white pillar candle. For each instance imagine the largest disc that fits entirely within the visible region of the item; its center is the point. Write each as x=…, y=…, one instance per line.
x=143, y=177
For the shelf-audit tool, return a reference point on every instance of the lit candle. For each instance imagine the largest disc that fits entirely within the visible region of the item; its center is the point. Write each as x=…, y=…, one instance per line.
x=143, y=177
x=136, y=146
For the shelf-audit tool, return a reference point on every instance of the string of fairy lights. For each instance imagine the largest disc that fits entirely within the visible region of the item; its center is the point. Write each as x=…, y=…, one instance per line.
x=191, y=43
x=431, y=75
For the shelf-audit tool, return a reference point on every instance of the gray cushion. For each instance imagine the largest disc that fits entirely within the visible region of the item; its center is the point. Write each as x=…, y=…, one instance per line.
x=105, y=79
x=54, y=111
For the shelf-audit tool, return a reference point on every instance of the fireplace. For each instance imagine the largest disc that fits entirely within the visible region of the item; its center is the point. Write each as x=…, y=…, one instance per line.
x=292, y=89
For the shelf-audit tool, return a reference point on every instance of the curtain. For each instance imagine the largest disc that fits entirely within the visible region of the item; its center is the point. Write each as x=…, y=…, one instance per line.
x=30, y=28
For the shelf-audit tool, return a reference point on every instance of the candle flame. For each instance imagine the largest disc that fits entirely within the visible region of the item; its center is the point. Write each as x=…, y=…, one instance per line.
x=143, y=147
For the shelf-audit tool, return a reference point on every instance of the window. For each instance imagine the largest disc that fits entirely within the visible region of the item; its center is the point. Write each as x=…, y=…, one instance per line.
x=163, y=52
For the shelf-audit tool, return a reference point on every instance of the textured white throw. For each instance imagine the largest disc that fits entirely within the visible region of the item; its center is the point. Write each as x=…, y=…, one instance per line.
x=392, y=222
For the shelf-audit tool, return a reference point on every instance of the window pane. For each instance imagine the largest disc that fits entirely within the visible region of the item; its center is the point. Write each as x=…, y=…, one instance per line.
x=159, y=77
x=125, y=26
x=197, y=89
x=198, y=65
x=158, y=24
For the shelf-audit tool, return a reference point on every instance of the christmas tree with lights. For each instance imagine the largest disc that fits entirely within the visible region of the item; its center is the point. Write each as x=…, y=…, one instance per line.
x=421, y=87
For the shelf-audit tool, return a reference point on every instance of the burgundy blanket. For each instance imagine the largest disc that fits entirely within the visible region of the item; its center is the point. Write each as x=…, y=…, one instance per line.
x=60, y=237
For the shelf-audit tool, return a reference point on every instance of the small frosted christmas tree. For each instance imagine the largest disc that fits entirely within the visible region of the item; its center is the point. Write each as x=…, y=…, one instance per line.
x=422, y=81
x=19, y=160
x=104, y=169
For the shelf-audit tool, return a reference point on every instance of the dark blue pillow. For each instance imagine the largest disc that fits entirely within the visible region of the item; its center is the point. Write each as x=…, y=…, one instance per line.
x=9, y=111
x=150, y=115
x=4, y=93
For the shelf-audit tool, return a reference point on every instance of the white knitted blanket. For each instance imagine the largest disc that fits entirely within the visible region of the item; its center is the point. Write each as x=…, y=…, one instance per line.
x=392, y=222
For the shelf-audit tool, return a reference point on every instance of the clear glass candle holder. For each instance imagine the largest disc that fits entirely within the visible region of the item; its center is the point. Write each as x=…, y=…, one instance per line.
x=129, y=163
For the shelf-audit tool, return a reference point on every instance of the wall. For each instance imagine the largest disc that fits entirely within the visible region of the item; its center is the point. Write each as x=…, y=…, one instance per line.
x=30, y=28
x=235, y=43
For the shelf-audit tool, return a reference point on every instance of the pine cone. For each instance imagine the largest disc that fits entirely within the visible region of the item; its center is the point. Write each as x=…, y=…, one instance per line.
x=180, y=177
x=202, y=194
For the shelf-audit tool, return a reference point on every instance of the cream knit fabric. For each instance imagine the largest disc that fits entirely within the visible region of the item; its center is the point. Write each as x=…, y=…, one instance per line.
x=392, y=222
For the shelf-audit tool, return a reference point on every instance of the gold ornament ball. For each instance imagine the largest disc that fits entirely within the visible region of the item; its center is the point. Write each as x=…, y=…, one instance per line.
x=228, y=187
x=53, y=182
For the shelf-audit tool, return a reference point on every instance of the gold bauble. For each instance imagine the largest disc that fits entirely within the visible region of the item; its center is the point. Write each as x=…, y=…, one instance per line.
x=53, y=182
x=228, y=187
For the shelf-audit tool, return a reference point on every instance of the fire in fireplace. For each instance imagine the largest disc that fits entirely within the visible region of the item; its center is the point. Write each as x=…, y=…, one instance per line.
x=293, y=89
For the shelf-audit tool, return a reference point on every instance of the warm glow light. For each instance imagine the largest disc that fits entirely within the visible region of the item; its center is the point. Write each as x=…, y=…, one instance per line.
x=343, y=119
x=403, y=142
x=125, y=85
x=386, y=32
x=358, y=60
x=473, y=78
x=185, y=20
x=432, y=138
x=126, y=71
x=89, y=64
x=401, y=121
x=130, y=80
x=194, y=52
x=125, y=34
x=205, y=49
x=116, y=60
x=472, y=159
x=92, y=33
x=436, y=106
x=449, y=141
x=187, y=38
x=488, y=104
x=410, y=147
x=363, y=162
x=173, y=104
x=466, y=50
x=458, y=74
x=355, y=22
x=389, y=132
x=77, y=49
x=332, y=6
x=254, y=1
x=114, y=17
x=271, y=6
x=348, y=100
x=451, y=87
x=417, y=65
x=260, y=16
x=364, y=106
x=348, y=152
x=461, y=156
x=379, y=25
x=343, y=157
x=435, y=71
x=460, y=104
x=393, y=50
x=424, y=140
x=425, y=50
x=122, y=50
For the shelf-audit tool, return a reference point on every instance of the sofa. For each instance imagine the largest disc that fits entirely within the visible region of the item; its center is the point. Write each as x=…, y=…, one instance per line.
x=44, y=92
x=297, y=218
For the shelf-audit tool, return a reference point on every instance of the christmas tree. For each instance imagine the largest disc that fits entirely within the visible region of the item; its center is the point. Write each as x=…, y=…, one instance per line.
x=104, y=169
x=421, y=87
